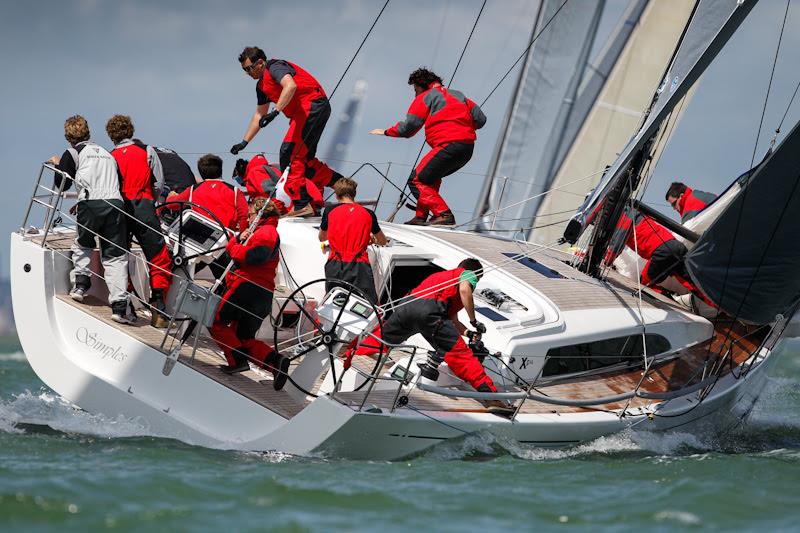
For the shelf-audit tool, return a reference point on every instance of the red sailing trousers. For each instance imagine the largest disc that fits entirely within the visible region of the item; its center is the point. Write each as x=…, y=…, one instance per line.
x=426, y=179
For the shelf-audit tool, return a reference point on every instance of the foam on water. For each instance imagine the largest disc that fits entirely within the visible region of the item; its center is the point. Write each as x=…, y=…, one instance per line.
x=15, y=356
x=48, y=409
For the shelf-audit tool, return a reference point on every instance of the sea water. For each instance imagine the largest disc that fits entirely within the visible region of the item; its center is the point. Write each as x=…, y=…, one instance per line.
x=62, y=468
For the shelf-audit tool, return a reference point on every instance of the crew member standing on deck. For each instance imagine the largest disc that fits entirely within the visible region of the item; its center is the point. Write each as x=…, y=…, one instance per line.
x=450, y=121
x=686, y=201
x=301, y=98
x=349, y=228
x=248, y=297
x=99, y=214
x=140, y=169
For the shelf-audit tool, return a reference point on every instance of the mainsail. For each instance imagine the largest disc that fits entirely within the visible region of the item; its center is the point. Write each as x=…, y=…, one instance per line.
x=748, y=261
x=711, y=25
x=541, y=105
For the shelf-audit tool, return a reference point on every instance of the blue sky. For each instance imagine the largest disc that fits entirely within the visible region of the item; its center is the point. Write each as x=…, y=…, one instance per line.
x=172, y=67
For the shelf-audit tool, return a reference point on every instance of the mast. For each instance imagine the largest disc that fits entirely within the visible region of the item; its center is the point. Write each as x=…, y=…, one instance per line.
x=712, y=24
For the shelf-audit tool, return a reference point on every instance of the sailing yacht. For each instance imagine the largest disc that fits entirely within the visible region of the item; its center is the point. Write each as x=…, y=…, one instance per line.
x=577, y=349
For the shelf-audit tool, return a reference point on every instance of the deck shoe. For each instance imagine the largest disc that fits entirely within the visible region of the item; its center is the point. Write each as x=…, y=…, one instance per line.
x=445, y=219
x=119, y=313
x=281, y=372
x=158, y=317
x=77, y=293
x=416, y=221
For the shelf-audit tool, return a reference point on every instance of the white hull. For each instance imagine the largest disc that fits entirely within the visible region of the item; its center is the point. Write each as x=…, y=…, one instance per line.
x=103, y=370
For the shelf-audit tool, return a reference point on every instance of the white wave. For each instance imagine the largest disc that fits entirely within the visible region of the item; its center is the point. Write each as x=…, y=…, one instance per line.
x=485, y=443
x=16, y=356
x=49, y=409
x=682, y=518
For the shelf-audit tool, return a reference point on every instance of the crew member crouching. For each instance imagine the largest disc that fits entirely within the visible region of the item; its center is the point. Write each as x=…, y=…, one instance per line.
x=262, y=179
x=431, y=309
x=248, y=297
x=349, y=228
x=655, y=243
x=140, y=170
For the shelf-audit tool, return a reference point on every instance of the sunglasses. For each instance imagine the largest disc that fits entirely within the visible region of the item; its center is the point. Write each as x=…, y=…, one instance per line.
x=249, y=68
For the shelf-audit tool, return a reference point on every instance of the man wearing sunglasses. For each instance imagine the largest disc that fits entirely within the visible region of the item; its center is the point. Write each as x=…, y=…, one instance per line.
x=686, y=201
x=301, y=98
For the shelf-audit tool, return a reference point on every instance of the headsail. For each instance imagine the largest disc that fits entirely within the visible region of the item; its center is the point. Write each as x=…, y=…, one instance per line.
x=711, y=25
x=540, y=107
x=748, y=261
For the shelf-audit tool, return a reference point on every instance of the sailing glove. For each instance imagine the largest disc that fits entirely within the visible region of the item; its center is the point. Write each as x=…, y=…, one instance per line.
x=266, y=119
x=479, y=327
x=236, y=148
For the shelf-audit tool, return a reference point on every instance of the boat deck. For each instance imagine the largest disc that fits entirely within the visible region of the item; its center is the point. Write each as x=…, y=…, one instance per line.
x=676, y=373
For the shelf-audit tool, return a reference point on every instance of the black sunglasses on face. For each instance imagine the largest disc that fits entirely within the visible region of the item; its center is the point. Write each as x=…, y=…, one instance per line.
x=250, y=67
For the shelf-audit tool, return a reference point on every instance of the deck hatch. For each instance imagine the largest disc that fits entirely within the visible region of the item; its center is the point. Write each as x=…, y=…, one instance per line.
x=491, y=314
x=534, y=265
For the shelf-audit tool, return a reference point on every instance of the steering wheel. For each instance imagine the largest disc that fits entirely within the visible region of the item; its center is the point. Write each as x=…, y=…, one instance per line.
x=179, y=258
x=325, y=337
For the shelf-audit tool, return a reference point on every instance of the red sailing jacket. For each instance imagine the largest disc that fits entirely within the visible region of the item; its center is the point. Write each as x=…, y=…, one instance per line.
x=308, y=88
x=448, y=116
x=223, y=199
x=442, y=287
x=693, y=202
x=260, y=177
x=349, y=227
x=648, y=236
x=134, y=167
x=257, y=260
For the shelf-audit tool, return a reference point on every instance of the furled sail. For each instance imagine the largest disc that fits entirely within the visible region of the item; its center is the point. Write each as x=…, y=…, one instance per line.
x=545, y=93
x=748, y=261
x=712, y=24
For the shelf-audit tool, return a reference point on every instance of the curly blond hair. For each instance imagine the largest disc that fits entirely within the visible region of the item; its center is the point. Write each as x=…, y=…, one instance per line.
x=76, y=129
x=119, y=128
x=271, y=210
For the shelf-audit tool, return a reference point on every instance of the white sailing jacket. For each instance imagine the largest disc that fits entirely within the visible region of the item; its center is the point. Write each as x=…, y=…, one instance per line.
x=94, y=172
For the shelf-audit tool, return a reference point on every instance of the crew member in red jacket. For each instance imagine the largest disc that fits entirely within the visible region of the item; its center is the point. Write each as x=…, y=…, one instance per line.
x=686, y=201
x=431, y=309
x=655, y=243
x=248, y=297
x=142, y=179
x=349, y=228
x=261, y=179
x=450, y=121
x=222, y=199
x=301, y=98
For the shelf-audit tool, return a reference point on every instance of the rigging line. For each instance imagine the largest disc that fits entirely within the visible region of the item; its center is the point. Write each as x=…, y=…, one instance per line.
x=405, y=196
x=359, y=49
x=769, y=85
x=791, y=101
x=489, y=213
x=524, y=52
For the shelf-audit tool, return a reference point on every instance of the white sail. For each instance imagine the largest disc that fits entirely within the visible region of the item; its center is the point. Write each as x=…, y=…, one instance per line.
x=616, y=112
